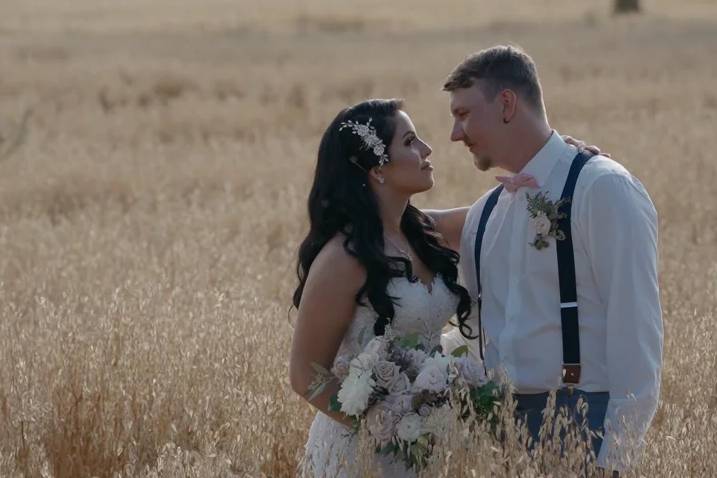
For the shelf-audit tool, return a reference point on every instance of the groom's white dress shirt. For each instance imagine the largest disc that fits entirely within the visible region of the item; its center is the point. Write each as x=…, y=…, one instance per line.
x=614, y=230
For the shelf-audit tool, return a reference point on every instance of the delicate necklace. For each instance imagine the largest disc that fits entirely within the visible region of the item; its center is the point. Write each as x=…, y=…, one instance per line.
x=395, y=246
x=405, y=254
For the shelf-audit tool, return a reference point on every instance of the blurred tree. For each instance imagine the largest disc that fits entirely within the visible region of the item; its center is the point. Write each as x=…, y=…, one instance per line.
x=626, y=6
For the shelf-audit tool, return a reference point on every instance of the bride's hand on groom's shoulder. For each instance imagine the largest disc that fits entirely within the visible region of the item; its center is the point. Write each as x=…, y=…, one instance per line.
x=449, y=224
x=582, y=145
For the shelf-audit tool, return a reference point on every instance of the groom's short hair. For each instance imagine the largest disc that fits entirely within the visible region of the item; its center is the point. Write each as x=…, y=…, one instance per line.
x=499, y=67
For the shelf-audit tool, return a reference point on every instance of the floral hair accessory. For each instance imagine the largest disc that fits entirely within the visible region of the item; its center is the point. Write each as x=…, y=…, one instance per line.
x=370, y=139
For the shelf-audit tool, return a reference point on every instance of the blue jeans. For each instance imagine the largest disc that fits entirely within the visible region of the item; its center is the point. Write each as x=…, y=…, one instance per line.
x=529, y=409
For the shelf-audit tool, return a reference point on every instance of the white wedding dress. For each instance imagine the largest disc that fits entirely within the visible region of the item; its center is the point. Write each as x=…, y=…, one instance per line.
x=420, y=309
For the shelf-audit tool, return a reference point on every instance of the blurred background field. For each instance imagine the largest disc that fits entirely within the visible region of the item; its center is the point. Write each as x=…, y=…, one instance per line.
x=155, y=159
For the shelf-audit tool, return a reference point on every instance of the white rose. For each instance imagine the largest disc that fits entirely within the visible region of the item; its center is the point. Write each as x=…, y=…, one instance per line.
x=355, y=392
x=439, y=360
x=409, y=428
x=542, y=224
x=364, y=362
x=378, y=346
x=432, y=378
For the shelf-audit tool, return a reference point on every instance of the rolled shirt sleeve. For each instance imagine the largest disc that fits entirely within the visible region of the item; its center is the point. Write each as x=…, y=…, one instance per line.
x=620, y=234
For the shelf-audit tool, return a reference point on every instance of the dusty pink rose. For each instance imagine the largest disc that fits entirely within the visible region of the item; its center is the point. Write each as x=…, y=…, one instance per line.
x=386, y=373
x=400, y=403
x=381, y=421
x=402, y=384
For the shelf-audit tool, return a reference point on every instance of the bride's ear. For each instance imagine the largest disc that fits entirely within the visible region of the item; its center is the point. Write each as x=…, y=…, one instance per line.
x=377, y=174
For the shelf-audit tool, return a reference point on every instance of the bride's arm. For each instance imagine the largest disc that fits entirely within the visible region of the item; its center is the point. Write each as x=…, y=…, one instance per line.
x=449, y=223
x=325, y=313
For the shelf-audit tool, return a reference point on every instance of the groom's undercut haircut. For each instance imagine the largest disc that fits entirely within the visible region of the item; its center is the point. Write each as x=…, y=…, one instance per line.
x=499, y=67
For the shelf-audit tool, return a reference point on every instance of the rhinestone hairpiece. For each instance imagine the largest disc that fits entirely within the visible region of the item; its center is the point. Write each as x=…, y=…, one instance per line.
x=370, y=139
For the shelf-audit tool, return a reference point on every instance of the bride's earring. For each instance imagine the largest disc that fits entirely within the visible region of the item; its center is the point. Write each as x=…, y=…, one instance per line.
x=381, y=180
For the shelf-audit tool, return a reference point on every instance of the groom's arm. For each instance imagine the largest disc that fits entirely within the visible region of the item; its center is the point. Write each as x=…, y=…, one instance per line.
x=620, y=234
x=449, y=223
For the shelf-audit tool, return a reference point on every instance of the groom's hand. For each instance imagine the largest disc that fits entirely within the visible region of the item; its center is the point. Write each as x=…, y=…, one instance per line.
x=582, y=145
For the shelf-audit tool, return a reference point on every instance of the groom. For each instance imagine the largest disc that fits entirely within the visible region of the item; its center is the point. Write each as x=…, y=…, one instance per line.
x=566, y=303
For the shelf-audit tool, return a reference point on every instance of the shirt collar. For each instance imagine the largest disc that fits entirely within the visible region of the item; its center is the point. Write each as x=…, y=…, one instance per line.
x=541, y=165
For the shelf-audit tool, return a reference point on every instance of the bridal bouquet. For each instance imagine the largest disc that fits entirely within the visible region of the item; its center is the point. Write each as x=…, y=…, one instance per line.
x=403, y=394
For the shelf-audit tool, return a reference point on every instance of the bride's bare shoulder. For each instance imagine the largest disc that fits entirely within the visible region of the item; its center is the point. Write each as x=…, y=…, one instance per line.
x=334, y=262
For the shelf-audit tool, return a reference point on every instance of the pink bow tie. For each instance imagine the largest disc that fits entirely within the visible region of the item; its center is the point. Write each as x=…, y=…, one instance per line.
x=513, y=183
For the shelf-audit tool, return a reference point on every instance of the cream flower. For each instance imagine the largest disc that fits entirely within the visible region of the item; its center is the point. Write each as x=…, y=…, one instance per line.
x=409, y=428
x=440, y=360
x=471, y=371
x=542, y=224
x=432, y=378
x=364, y=362
x=355, y=392
x=378, y=346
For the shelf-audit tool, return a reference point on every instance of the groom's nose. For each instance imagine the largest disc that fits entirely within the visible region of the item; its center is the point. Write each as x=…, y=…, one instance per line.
x=457, y=132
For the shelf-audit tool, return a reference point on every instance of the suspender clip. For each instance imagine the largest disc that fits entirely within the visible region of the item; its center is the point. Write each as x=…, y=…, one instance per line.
x=571, y=373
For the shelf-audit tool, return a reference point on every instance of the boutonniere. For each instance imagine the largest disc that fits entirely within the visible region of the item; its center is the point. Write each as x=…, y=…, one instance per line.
x=545, y=215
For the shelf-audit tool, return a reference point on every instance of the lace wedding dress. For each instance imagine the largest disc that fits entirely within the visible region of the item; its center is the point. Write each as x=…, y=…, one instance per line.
x=331, y=447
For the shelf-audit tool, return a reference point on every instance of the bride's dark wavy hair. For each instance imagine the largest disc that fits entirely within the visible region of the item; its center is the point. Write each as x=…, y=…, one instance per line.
x=341, y=202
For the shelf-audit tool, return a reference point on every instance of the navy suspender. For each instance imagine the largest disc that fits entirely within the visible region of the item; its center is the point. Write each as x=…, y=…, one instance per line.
x=566, y=277
x=566, y=274
x=487, y=209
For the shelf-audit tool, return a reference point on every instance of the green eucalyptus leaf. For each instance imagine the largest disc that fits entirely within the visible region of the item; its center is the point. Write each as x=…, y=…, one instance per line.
x=460, y=351
x=334, y=404
x=409, y=341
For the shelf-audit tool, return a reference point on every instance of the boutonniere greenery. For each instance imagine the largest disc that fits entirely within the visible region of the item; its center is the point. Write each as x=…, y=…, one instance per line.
x=545, y=215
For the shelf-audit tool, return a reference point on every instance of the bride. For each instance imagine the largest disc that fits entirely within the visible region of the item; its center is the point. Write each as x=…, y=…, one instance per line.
x=370, y=259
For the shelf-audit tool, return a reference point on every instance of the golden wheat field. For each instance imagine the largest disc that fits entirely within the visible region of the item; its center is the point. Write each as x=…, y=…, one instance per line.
x=155, y=160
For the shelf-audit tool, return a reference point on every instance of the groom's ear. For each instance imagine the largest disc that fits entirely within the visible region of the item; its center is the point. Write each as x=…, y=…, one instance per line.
x=508, y=104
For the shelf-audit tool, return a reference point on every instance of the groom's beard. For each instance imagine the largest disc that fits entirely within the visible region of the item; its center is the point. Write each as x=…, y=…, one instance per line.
x=482, y=162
